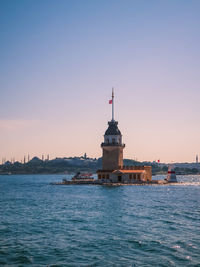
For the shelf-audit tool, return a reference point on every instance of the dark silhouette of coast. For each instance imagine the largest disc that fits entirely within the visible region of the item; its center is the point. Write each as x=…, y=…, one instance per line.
x=83, y=164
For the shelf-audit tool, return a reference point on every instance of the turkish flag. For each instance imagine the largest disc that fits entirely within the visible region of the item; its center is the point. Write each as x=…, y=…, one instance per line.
x=110, y=101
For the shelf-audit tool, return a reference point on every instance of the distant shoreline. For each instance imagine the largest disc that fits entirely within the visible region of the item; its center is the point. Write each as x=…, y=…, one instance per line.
x=71, y=165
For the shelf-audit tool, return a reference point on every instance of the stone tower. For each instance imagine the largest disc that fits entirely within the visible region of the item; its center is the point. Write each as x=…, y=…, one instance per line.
x=112, y=146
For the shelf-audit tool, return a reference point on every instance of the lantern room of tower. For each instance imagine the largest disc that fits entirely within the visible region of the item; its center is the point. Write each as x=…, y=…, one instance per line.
x=112, y=135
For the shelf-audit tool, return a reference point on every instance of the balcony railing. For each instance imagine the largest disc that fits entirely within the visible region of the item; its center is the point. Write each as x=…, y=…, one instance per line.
x=112, y=144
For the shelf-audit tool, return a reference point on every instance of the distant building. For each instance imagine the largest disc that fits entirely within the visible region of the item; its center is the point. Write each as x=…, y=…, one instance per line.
x=113, y=170
x=197, y=159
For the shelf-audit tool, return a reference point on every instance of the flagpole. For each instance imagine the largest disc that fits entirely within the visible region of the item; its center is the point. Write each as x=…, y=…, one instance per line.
x=112, y=104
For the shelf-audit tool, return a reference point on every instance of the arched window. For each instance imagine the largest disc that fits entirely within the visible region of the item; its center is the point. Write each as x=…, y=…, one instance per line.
x=113, y=140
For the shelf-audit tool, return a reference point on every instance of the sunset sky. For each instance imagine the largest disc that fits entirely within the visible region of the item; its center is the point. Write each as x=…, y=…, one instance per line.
x=60, y=59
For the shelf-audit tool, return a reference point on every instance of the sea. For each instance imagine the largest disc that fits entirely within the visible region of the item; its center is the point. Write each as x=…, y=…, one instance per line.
x=93, y=225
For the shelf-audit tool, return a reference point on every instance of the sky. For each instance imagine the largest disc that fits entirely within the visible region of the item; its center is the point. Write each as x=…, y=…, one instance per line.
x=60, y=59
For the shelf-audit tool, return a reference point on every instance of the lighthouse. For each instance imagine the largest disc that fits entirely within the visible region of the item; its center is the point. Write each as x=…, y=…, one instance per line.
x=171, y=175
x=112, y=146
x=113, y=170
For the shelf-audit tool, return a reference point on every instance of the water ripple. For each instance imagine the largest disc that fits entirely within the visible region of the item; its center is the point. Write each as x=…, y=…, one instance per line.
x=43, y=225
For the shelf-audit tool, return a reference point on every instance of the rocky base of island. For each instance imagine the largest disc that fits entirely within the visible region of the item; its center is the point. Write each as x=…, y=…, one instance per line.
x=96, y=182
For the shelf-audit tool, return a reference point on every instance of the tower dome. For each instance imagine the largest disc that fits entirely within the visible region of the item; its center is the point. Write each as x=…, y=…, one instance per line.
x=112, y=128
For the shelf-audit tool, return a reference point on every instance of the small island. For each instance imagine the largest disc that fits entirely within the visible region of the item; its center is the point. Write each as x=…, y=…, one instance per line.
x=113, y=171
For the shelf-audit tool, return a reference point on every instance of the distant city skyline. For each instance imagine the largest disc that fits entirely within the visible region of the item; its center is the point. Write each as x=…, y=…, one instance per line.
x=60, y=60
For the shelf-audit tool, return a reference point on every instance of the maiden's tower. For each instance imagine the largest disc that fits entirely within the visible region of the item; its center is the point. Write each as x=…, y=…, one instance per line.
x=113, y=170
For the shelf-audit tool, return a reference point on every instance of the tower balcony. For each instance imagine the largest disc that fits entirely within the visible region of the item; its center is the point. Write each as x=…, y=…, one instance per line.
x=112, y=144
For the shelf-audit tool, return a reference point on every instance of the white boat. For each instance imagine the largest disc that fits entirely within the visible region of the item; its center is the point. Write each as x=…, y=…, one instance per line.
x=82, y=176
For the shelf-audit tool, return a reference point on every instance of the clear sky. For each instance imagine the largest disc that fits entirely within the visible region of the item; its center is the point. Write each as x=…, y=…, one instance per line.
x=59, y=60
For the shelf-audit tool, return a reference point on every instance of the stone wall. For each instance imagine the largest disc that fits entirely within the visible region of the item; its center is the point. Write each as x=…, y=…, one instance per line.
x=112, y=157
x=148, y=173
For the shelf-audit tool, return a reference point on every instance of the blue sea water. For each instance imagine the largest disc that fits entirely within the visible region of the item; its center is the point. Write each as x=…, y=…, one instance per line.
x=46, y=225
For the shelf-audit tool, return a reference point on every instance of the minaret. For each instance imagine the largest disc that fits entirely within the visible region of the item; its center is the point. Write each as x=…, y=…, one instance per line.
x=112, y=146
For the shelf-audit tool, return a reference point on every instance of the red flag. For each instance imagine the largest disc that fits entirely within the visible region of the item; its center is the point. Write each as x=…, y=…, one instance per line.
x=110, y=101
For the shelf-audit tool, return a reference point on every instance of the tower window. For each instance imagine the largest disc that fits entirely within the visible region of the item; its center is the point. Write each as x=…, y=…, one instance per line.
x=113, y=140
